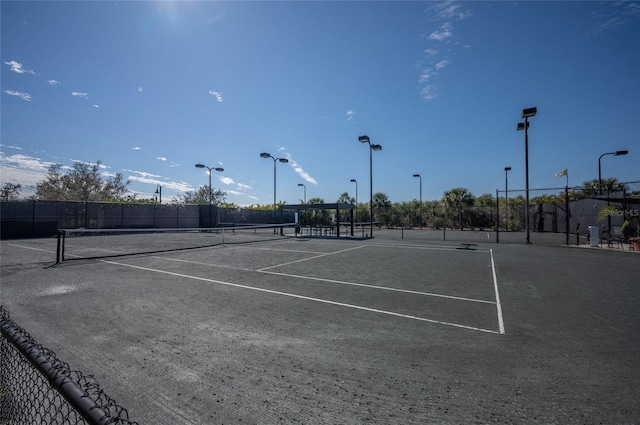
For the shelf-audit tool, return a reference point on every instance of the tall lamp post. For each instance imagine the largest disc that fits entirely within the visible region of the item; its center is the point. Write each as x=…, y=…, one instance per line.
x=356, y=182
x=159, y=193
x=284, y=161
x=526, y=114
x=372, y=147
x=420, y=177
x=616, y=153
x=506, y=198
x=305, y=191
x=218, y=169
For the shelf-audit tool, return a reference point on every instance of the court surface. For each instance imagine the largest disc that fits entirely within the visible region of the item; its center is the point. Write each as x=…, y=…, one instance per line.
x=403, y=328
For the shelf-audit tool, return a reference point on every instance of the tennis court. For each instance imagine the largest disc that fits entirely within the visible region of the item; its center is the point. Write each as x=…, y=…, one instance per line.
x=403, y=328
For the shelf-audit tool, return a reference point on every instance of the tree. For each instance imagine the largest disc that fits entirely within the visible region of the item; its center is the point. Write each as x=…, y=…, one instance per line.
x=382, y=205
x=592, y=187
x=83, y=183
x=200, y=196
x=346, y=199
x=457, y=198
x=10, y=191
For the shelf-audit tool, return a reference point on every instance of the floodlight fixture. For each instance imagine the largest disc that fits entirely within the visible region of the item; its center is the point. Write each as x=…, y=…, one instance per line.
x=617, y=153
x=526, y=114
x=363, y=139
x=529, y=112
x=284, y=161
x=376, y=147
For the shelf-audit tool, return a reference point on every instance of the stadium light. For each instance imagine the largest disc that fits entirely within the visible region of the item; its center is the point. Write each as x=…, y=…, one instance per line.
x=365, y=139
x=615, y=153
x=210, y=190
x=420, y=177
x=526, y=114
x=284, y=161
x=305, y=191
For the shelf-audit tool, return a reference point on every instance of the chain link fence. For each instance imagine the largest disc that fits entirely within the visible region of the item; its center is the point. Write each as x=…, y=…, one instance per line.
x=38, y=388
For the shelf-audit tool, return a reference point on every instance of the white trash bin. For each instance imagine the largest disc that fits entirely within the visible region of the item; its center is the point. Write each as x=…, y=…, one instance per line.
x=593, y=236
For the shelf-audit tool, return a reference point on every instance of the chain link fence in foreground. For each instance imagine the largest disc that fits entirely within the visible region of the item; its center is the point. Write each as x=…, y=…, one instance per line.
x=38, y=388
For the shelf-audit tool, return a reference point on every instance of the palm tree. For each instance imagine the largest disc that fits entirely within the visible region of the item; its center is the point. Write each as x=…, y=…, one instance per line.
x=457, y=198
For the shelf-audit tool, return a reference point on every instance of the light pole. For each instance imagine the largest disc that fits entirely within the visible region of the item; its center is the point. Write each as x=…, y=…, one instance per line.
x=526, y=114
x=356, y=182
x=218, y=169
x=616, y=153
x=420, y=177
x=284, y=161
x=159, y=193
x=305, y=191
x=506, y=198
x=365, y=139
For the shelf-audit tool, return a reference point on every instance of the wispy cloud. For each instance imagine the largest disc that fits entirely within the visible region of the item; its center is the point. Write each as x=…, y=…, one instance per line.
x=18, y=69
x=53, y=82
x=433, y=61
x=95, y=105
x=217, y=95
x=140, y=89
x=443, y=33
x=23, y=169
x=350, y=113
x=21, y=95
x=300, y=171
x=161, y=158
x=615, y=13
x=136, y=148
x=80, y=94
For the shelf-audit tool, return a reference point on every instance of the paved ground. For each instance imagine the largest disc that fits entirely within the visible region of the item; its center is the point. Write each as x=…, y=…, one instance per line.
x=403, y=328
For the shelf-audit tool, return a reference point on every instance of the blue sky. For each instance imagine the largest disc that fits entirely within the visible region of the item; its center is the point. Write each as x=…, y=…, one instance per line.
x=152, y=88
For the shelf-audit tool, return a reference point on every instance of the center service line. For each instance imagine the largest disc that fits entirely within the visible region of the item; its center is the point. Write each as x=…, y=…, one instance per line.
x=302, y=297
x=311, y=258
x=495, y=285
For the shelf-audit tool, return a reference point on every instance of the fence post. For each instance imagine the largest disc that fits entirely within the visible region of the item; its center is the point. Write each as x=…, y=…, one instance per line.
x=498, y=216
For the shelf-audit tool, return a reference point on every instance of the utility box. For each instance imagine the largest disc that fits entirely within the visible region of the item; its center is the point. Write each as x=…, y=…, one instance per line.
x=593, y=236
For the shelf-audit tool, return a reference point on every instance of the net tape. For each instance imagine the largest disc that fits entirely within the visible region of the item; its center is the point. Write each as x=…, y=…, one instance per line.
x=104, y=243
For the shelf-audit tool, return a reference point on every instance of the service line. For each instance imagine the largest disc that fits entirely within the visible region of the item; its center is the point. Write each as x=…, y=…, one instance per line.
x=302, y=297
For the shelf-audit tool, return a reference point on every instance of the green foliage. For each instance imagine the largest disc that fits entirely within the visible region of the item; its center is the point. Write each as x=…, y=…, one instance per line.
x=83, y=183
x=10, y=192
x=201, y=196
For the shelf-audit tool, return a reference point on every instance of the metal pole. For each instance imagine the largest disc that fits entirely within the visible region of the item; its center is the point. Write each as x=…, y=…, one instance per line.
x=506, y=200
x=497, y=216
x=526, y=148
x=567, y=213
x=370, y=191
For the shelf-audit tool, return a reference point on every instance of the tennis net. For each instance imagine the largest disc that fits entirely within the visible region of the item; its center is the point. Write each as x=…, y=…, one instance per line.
x=104, y=243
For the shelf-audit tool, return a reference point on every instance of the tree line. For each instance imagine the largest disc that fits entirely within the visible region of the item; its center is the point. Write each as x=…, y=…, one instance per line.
x=458, y=207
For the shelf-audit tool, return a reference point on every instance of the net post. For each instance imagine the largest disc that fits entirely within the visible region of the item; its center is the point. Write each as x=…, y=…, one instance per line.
x=58, y=248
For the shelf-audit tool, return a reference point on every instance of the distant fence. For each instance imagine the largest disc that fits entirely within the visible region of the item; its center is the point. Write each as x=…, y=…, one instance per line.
x=44, y=218
x=38, y=388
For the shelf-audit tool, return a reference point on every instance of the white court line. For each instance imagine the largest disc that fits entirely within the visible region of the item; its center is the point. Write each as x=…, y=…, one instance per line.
x=302, y=297
x=31, y=248
x=339, y=282
x=428, y=248
x=311, y=258
x=385, y=288
x=495, y=285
